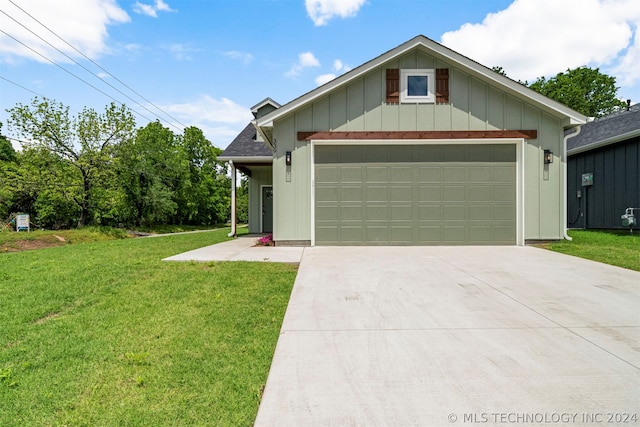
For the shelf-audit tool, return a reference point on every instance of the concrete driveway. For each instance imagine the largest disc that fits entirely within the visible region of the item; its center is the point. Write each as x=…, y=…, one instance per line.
x=437, y=336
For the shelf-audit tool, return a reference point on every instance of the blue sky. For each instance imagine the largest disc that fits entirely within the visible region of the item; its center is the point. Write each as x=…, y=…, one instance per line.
x=206, y=62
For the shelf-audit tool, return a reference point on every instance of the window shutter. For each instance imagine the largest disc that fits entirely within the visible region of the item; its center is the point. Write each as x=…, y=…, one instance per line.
x=442, y=85
x=393, y=86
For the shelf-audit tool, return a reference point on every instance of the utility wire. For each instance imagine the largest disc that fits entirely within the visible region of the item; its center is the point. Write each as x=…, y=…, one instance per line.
x=98, y=65
x=69, y=72
x=94, y=63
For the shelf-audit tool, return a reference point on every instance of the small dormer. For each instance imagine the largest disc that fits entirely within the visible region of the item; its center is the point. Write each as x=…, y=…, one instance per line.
x=264, y=107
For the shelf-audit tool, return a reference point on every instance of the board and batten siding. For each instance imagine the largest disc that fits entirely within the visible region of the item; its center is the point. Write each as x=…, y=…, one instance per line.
x=473, y=105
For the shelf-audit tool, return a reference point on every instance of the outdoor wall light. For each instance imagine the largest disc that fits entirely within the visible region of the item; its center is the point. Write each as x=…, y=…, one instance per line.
x=287, y=158
x=548, y=157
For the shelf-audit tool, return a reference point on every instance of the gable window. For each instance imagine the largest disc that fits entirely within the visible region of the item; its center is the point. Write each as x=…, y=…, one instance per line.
x=417, y=86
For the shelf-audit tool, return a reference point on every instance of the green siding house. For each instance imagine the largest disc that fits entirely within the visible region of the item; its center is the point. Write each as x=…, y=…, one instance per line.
x=419, y=146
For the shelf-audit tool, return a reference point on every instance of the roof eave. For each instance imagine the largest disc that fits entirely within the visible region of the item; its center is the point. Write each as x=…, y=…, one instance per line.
x=570, y=116
x=604, y=142
x=246, y=159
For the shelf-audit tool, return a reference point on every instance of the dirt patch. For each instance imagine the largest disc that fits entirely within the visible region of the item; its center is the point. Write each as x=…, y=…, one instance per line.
x=28, y=245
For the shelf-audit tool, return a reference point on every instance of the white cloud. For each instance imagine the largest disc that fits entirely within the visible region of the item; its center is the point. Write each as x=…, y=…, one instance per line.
x=151, y=9
x=338, y=68
x=533, y=38
x=305, y=60
x=325, y=78
x=82, y=24
x=220, y=119
x=321, y=11
x=182, y=52
x=245, y=57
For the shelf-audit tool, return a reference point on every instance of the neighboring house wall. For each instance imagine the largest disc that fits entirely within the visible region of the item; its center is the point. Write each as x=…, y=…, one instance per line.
x=616, y=185
x=474, y=105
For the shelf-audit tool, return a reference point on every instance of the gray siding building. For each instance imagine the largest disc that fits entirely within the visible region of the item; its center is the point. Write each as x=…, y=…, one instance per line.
x=606, y=152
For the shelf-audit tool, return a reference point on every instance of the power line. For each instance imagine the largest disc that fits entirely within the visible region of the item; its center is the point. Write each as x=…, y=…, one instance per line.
x=72, y=74
x=84, y=68
x=94, y=63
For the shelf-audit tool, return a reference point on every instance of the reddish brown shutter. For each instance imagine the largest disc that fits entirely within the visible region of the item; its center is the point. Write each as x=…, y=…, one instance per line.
x=442, y=86
x=393, y=86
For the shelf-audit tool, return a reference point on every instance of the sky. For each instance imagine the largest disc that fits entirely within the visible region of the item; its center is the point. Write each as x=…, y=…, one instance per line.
x=205, y=63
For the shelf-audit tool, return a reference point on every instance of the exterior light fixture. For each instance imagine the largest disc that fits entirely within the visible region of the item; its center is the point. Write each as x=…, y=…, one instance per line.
x=287, y=158
x=548, y=157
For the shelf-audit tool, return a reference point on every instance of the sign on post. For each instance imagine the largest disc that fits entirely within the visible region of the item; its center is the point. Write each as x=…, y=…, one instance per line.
x=22, y=222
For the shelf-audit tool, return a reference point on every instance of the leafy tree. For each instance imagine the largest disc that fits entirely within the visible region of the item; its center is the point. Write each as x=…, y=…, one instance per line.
x=83, y=143
x=204, y=197
x=584, y=89
x=150, y=168
x=7, y=153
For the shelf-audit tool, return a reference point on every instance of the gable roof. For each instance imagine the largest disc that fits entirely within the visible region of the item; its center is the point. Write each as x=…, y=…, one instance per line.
x=606, y=130
x=569, y=116
x=245, y=147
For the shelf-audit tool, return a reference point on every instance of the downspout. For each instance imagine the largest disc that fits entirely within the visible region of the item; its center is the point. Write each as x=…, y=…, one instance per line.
x=233, y=199
x=564, y=188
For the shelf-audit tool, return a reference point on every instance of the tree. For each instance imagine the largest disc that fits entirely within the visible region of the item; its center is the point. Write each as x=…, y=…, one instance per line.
x=204, y=196
x=151, y=168
x=584, y=89
x=85, y=142
x=7, y=153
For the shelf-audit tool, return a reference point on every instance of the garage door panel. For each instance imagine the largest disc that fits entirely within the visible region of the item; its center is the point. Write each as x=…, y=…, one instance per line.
x=430, y=173
x=351, y=175
x=480, y=233
x=454, y=174
x=480, y=212
x=431, y=212
x=430, y=193
x=376, y=212
x=453, y=233
x=350, y=213
x=480, y=193
x=480, y=173
x=327, y=193
x=402, y=174
x=453, y=195
x=327, y=174
x=350, y=193
x=504, y=174
x=504, y=193
x=377, y=174
x=327, y=213
x=453, y=212
x=352, y=234
x=401, y=193
x=377, y=193
x=402, y=213
x=401, y=234
x=376, y=233
x=504, y=212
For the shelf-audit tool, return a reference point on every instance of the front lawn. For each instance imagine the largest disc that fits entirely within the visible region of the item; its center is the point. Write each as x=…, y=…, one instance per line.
x=621, y=248
x=105, y=333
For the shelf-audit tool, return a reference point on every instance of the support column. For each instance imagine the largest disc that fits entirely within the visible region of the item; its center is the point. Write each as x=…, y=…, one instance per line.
x=233, y=199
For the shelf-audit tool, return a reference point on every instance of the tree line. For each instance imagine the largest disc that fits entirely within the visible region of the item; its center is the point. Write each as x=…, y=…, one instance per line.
x=98, y=168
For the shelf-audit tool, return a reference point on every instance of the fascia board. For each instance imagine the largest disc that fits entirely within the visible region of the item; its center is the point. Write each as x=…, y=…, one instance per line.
x=246, y=159
x=604, y=142
x=555, y=108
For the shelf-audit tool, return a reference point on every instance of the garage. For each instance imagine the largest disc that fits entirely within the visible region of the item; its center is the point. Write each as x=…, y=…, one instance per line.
x=415, y=194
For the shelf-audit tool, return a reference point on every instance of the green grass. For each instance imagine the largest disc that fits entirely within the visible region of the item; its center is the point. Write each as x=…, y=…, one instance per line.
x=620, y=248
x=105, y=333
